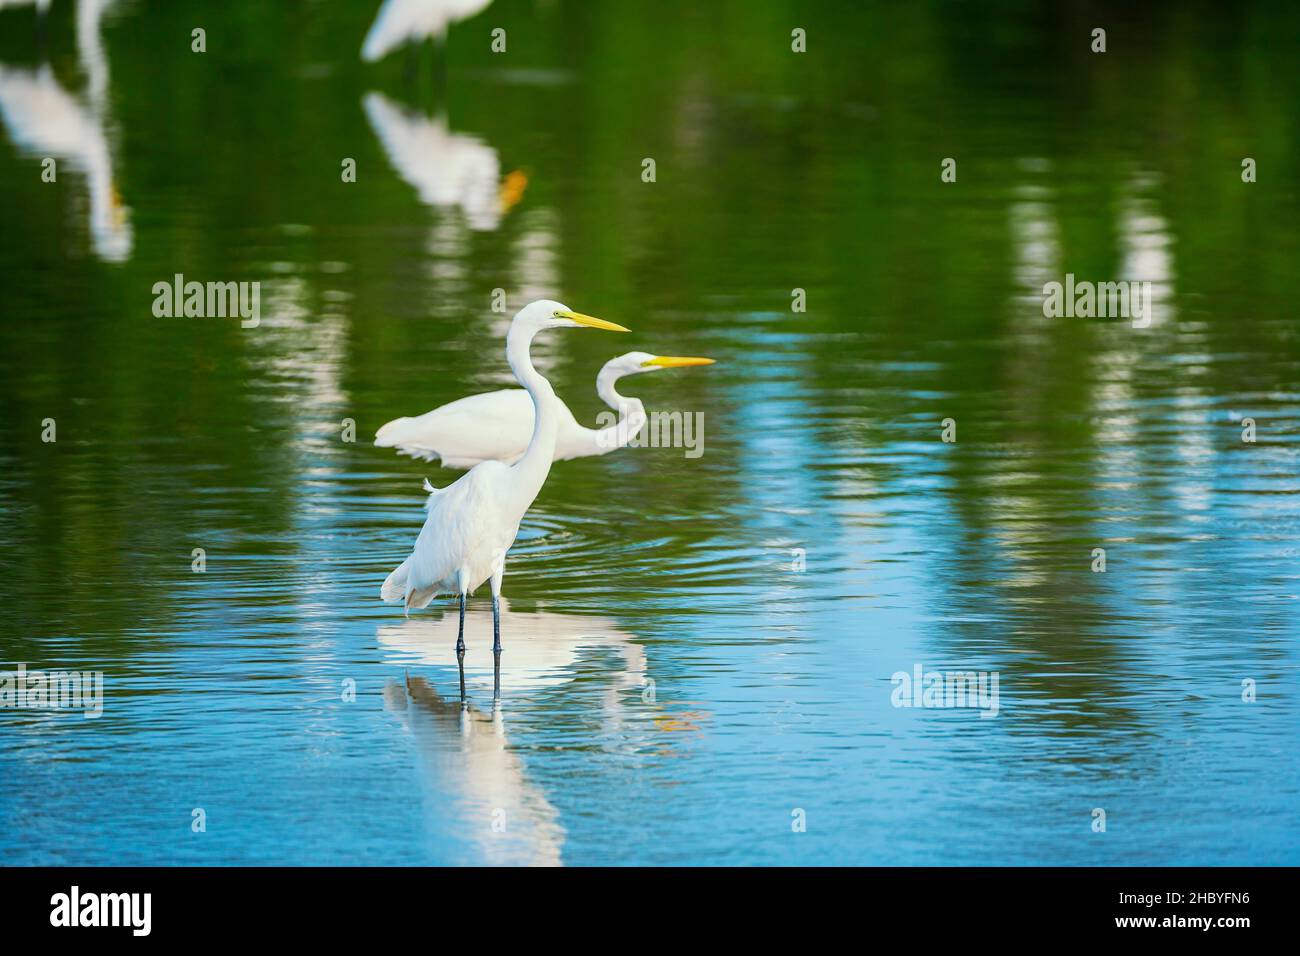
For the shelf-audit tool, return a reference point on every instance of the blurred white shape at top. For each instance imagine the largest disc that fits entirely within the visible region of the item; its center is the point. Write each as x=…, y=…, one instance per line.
x=405, y=21
x=45, y=120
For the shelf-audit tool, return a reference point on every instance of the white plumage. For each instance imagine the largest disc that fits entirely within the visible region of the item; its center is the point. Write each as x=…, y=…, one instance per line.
x=403, y=21
x=47, y=121
x=472, y=522
x=470, y=525
x=448, y=170
x=496, y=426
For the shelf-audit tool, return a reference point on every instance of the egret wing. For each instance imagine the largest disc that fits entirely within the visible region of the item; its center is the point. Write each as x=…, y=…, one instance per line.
x=493, y=426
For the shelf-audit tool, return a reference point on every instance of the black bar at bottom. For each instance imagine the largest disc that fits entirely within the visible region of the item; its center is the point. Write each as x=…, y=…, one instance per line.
x=333, y=905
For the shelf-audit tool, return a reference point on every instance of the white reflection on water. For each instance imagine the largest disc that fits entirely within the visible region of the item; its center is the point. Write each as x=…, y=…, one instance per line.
x=449, y=170
x=459, y=176
x=465, y=763
x=45, y=120
x=1146, y=245
x=90, y=50
x=1035, y=235
x=541, y=649
x=464, y=754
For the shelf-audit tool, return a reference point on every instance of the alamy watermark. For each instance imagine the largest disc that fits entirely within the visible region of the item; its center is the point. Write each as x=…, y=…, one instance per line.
x=1102, y=300
x=661, y=430
x=130, y=910
x=213, y=300
x=54, y=690
x=942, y=689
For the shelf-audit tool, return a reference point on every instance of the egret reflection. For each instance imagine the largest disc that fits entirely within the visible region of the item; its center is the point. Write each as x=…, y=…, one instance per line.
x=464, y=753
x=545, y=651
x=90, y=50
x=450, y=171
x=46, y=121
x=469, y=771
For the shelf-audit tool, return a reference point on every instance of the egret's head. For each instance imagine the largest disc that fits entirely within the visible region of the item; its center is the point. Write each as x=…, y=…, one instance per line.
x=546, y=314
x=634, y=363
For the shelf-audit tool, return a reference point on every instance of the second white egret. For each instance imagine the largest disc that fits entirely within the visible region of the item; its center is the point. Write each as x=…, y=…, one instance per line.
x=495, y=426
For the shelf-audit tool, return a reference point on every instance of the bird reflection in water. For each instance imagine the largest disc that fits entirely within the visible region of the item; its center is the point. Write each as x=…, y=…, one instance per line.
x=545, y=653
x=449, y=170
x=463, y=754
x=45, y=120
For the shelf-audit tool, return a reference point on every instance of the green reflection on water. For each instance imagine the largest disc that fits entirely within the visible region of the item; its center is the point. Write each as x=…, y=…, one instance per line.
x=775, y=171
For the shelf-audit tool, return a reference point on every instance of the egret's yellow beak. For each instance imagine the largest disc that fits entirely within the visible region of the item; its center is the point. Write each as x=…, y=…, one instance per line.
x=590, y=322
x=512, y=190
x=116, y=209
x=675, y=361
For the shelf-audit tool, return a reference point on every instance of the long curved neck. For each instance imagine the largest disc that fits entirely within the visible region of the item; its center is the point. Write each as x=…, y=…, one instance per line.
x=631, y=414
x=531, y=470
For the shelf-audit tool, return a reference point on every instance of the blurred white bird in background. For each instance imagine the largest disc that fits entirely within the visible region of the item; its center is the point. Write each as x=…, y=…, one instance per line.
x=90, y=51
x=448, y=170
x=47, y=121
x=472, y=522
x=495, y=426
x=414, y=21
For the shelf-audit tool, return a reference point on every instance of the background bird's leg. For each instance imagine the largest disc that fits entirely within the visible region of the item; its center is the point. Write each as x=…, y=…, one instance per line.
x=439, y=69
x=460, y=647
x=496, y=628
x=411, y=67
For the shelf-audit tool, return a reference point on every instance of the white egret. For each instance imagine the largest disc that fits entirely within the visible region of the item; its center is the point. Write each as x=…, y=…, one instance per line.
x=495, y=426
x=404, y=21
x=473, y=521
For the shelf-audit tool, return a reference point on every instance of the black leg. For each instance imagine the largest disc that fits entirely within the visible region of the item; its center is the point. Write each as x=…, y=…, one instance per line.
x=496, y=648
x=460, y=648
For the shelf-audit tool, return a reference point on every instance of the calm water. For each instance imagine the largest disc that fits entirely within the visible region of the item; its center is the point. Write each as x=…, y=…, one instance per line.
x=674, y=690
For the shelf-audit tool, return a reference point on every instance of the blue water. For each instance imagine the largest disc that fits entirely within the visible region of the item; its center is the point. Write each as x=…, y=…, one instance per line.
x=699, y=652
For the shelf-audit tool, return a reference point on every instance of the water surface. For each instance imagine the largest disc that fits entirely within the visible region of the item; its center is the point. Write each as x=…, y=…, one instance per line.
x=676, y=689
